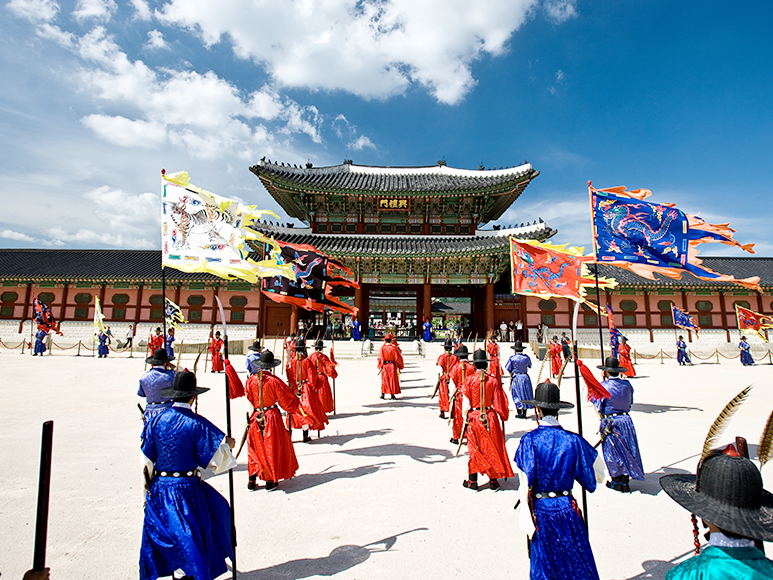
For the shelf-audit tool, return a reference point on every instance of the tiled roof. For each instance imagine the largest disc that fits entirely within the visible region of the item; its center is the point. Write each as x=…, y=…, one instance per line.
x=738, y=267
x=359, y=178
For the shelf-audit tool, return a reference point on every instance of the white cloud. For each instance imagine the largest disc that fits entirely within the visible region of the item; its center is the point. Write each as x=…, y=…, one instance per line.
x=103, y=239
x=360, y=144
x=126, y=132
x=561, y=10
x=559, y=75
x=370, y=48
x=97, y=9
x=156, y=40
x=142, y=10
x=11, y=235
x=36, y=11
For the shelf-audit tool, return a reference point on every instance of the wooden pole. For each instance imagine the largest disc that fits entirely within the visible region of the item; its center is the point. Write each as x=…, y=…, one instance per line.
x=44, y=492
x=578, y=395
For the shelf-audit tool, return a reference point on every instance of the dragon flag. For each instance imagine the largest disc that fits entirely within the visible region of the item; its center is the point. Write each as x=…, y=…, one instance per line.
x=174, y=316
x=544, y=270
x=99, y=318
x=203, y=232
x=43, y=317
x=754, y=321
x=683, y=320
x=315, y=276
x=645, y=237
x=614, y=334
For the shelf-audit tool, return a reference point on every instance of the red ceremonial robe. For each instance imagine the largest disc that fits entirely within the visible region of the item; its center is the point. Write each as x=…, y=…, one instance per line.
x=270, y=453
x=325, y=368
x=155, y=341
x=457, y=420
x=217, y=361
x=486, y=446
x=446, y=362
x=624, y=352
x=390, y=361
x=311, y=413
x=555, y=358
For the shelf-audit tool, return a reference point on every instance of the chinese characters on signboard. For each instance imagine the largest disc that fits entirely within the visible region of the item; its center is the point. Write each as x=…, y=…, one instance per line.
x=393, y=203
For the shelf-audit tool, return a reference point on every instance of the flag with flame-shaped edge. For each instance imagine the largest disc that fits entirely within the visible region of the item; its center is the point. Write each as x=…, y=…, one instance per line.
x=754, y=321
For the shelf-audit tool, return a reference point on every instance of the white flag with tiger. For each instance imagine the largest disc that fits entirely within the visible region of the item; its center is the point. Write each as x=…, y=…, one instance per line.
x=203, y=232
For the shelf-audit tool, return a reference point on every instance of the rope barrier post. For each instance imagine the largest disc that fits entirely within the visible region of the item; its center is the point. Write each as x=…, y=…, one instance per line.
x=79, y=348
x=716, y=351
x=23, y=342
x=661, y=356
x=635, y=361
x=770, y=360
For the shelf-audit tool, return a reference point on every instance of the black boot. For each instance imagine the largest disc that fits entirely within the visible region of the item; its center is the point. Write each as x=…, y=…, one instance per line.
x=306, y=437
x=472, y=482
x=382, y=395
x=251, y=482
x=393, y=397
x=442, y=414
x=493, y=484
x=271, y=485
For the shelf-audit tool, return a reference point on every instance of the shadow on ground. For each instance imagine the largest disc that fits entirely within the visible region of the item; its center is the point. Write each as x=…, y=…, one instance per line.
x=343, y=439
x=647, y=408
x=421, y=454
x=651, y=483
x=308, y=480
x=340, y=559
x=657, y=569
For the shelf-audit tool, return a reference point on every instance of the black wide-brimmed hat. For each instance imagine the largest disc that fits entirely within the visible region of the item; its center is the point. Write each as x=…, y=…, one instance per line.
x=267, y=360
x=255, y=346
x=448, y=344
x=518, y=346
x=184, y=386
x=462, y=352
x=319, y=345
x=300, y=344
x=217, y=333
x=611, y=365
x=480, y=359
x=548, y=396
x=728, y=493
x=159, y=358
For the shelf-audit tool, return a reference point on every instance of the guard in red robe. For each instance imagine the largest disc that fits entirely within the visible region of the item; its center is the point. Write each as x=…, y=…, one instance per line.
x=555, y=357
x=624, y=356
x=215, y=347
x=270, y=452
x=302, y=378
x=459, y=374
x=446, y=362
x=325, y=368
x=390, y=361
x=155, y=341
x=488, y=406
x=493, y=354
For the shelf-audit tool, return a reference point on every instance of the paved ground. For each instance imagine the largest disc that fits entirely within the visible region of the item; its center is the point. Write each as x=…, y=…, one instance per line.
x=378, y=496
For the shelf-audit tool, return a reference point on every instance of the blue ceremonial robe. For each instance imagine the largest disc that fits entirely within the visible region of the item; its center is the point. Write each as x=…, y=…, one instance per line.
x=521, y=389
x=252, y=358
x=151, y=382
x=427, y=326
x=187, y=522
x=40, y=342
x=620, y=446
x=552, y=460
x=681, y=353
x=720, y=563
x=102, y=348
x=356, y=333
x=169, y=348
x=746, y=355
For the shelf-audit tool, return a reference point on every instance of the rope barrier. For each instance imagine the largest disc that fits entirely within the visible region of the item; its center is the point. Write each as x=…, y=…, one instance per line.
x=692, y=354
x=53, y=344
x=23, y=342
x=729, y=357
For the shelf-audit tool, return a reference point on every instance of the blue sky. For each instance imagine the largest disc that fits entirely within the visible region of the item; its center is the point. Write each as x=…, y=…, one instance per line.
x=98, y=96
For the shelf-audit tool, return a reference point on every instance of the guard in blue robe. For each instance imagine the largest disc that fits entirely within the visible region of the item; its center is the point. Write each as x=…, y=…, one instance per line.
x=427, y=326
x=681, y=352
x=746, y=355
x=152, y=381
x=168, y=340
x=253, y=357
x=356, y=332
x=40, y=342
x=550, y=460
x=620, y=444
x=102, y=349
x=187, y=523
x=521, y=390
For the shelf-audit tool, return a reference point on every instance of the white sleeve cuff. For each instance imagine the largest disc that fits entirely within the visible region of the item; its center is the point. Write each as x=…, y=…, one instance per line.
x=222, y=460
x=525, y=521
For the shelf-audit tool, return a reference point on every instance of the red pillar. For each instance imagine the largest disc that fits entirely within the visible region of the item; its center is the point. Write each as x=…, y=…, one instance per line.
x=427, y=306
x=724, y=314
x=293, y=318
x=648, y=315
x=489, y=307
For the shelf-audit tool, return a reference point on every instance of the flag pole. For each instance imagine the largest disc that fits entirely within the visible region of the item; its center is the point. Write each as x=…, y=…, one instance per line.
x=578, y=395
x=596, y=271
x=44, y=492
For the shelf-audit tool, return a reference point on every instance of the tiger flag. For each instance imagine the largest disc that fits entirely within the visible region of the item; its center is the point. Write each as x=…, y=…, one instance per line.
x=544, y=270
x=99, y=318
x=203, y=232
x=754, y=321
x=683, y=320
x=174, y=315
x=645, y=237
x=44, y=318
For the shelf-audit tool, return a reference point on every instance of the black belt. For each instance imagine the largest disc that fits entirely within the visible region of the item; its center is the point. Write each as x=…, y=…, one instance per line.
x=389, y=362
x=193, y=473
x=267, y=408
x=550, y=494
x=614, y=415
x=478, y=408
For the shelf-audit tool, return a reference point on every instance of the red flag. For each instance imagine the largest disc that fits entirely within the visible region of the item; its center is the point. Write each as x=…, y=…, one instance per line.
x=595, y=389
x=754, y=321
x=235, y=386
